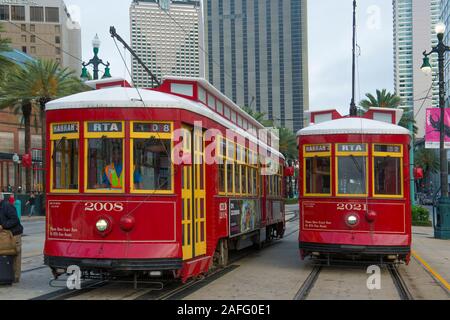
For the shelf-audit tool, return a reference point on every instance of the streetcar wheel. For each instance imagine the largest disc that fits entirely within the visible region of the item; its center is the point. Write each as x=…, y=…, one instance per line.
x=221, y=255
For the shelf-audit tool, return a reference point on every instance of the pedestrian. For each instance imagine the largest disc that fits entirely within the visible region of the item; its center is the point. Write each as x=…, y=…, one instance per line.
x=32, y=203
x=10, y=221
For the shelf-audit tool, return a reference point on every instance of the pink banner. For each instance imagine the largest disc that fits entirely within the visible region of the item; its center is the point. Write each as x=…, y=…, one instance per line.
x=432, y=135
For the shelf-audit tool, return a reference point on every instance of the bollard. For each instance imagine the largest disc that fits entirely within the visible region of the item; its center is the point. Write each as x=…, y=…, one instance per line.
x=18, y=205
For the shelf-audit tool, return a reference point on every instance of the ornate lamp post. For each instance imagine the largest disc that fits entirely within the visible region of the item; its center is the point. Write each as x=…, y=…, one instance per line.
x=96, y=62
x=442, y=223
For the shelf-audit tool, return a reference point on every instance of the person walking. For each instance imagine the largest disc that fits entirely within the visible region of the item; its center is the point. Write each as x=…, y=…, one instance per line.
x=32, y=203
x=10, y=221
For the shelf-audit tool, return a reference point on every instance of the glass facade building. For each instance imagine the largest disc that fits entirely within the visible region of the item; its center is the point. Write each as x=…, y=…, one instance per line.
x=414, y=22
x=257, y=54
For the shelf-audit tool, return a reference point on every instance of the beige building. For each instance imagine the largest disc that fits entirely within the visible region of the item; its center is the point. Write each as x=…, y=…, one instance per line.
x=42, y=29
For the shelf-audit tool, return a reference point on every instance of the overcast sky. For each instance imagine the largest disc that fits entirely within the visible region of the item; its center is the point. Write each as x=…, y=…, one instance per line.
x=329, y=28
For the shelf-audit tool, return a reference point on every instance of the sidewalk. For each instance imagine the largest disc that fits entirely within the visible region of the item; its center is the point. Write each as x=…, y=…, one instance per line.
x=433, y=251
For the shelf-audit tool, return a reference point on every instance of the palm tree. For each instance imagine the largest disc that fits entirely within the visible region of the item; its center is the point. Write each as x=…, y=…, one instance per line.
x=258, y=116
x=428, y=160
x=5, y=63
x=386, y=99
x=20, y=105
x=39, y=82
x=288, y=143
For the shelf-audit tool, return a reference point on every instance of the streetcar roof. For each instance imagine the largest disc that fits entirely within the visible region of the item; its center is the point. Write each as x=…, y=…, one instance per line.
x=119, y=97
x=353, y=126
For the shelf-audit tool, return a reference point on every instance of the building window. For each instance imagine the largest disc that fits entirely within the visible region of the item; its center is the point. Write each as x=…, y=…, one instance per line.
x=23, y=27
x=32, y=27
x=4, y=12
x=33, y=39
x=57, y=29
x=37, y=14
x=24, y=49
x=58, y=50
x=24, y=38
x=18, y=13
x=33, y=50
x=58, y=39
x=51, y=14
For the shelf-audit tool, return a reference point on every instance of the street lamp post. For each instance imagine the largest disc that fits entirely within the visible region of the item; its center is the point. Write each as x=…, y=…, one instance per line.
x=96, y=62
x=442, y=223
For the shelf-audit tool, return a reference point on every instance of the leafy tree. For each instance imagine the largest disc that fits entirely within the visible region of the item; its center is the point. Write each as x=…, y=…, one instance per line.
x=386, y=99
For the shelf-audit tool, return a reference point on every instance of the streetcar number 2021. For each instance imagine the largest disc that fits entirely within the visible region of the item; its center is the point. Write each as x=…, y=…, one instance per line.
x=352, y=207
x=103, y=206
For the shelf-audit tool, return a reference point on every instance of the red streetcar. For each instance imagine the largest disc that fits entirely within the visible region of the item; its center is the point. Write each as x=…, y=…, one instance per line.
x=355, y=187
x=132, y=188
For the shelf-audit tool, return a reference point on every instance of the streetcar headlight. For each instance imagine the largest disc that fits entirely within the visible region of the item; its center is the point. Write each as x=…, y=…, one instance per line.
x=352, y=220
x=101, y=225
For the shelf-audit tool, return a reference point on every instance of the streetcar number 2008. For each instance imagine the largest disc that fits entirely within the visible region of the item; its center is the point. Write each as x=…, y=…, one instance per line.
x=103, y=206
x=352, y=207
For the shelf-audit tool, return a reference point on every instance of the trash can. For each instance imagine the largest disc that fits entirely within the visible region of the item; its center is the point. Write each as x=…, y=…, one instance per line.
x=18, y=205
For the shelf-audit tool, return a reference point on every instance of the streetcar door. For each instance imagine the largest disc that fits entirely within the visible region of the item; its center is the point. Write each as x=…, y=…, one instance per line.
x=199, y=200
x=187, y=196
x=193, y=195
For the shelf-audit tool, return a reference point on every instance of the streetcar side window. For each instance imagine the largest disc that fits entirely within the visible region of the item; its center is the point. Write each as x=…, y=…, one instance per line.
x=105, y=164
x=104, y=154
x=388, y=170
x=151, y=164
x=222, y=165
x=317, y=170
x=65, y=164
x=352, y=169
x=152, y=167
x=64, y=157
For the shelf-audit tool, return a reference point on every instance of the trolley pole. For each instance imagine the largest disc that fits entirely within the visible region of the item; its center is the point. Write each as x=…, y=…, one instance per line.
x=442, y=223
x=353, y=109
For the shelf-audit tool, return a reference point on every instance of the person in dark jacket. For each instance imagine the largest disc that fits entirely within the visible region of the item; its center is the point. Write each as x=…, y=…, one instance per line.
x=10, y=221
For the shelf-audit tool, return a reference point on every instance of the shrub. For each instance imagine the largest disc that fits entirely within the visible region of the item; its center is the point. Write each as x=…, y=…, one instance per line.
x=420, y=216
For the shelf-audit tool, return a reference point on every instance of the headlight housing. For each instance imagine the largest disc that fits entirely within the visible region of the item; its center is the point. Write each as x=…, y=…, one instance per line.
x=102, y=225
x=352, y=220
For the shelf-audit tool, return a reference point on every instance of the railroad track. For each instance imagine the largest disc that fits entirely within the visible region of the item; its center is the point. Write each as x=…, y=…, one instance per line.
x=399, y=283
x=310, y=282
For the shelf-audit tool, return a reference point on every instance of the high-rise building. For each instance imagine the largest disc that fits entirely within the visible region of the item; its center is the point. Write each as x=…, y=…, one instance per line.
x=445, y=18
x=257, y=54
x=165, y=34
x=42, y=29
x=414, y=22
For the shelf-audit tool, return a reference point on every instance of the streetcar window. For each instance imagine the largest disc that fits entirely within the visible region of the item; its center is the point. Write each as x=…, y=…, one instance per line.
x=152, y=164
x=388, y=176
x=105, y=168
x=65, y=164
x=352, y=175
x=318, y=175
x=387, y=170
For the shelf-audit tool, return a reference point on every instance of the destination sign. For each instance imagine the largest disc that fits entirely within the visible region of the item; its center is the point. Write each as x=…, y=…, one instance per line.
x=152, y=127
x=318, y=148
x=388, y=148
x=105, y=127
x=352, y=147
x=64, y=128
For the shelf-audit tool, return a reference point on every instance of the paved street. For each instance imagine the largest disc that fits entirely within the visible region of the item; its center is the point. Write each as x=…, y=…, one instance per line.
x=276, y=272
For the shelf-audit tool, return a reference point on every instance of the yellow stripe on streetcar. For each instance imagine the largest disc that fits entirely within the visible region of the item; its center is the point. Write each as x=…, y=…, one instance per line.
x=431, y=270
